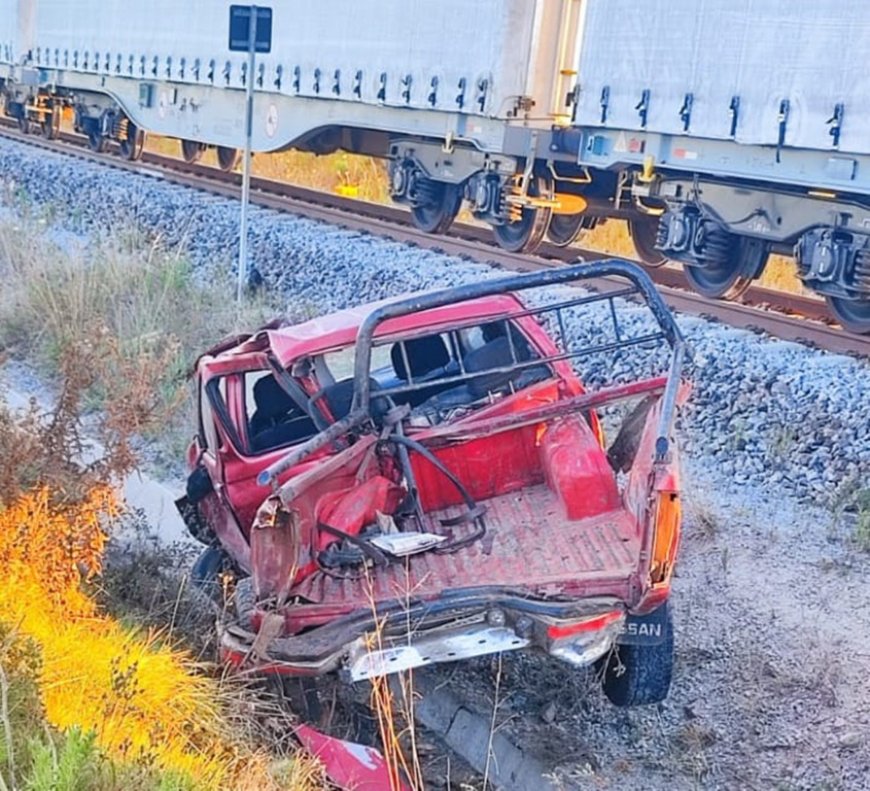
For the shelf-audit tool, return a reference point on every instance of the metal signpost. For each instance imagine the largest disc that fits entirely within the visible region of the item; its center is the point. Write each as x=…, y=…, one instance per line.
x=251, y=32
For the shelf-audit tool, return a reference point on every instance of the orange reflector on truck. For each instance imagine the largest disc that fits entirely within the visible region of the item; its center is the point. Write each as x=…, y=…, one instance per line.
x=579, y=627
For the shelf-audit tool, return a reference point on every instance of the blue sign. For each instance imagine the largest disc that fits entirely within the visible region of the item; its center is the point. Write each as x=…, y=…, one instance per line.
x=241, y=17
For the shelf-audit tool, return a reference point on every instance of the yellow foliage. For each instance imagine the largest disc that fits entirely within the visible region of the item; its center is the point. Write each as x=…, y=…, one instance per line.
x=145, y=701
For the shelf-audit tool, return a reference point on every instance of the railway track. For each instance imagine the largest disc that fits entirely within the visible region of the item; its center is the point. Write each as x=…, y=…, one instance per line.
x=780, y=314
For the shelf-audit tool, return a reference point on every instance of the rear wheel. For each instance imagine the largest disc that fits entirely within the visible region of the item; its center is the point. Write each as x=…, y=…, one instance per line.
x=730, y=268
x=638, y=675
x=228, y=158
x=438, y=205
x=853, y=314
x=526, y=232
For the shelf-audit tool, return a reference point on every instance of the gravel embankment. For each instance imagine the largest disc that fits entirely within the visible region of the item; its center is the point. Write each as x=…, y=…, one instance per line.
x=771, y=597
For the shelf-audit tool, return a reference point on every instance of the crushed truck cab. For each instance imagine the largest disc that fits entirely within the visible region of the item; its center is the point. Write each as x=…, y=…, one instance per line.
x=427, y=479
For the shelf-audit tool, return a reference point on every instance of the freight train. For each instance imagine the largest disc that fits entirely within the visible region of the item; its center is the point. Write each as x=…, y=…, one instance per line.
x=722, y=131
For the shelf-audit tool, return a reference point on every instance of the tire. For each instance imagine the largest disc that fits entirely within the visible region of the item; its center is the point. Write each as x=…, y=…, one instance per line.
x=643, y=232
x=438, y=215
x=565, y=228
x=134, y=144
x=205, y=574
x=730, y=277
x=244, y=602
x=853, y=314
x=228, y=158
x=526, y=235
x=192, y=151
x=640, y=675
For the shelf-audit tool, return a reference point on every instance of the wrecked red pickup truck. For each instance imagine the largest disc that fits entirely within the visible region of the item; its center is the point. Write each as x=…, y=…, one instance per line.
x=426, y=479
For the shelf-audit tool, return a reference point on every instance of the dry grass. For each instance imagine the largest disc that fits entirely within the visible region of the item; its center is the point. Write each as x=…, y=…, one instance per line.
x=115, y=326
x=345, y=174
x=121, y=318
x=146, y=703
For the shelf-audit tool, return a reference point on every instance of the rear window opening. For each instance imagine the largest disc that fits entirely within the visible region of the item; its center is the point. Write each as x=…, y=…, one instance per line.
x=436, y=375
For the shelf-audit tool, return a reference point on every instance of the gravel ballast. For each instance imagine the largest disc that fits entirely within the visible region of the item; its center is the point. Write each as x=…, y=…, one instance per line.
x=771, y=599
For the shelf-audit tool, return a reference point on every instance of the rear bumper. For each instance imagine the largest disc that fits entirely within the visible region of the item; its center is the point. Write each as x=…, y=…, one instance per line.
x=458, y=626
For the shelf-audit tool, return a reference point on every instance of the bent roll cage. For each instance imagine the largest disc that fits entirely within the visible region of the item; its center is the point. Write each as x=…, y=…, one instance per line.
x=639, y=288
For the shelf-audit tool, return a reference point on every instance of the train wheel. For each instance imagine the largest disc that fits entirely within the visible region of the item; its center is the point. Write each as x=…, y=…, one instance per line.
x=133, y=144
x=853, y=314
x=526, y=233
x=25, y=125
x=644, y=232
x=97, y=142
x=565, y=228
x=51, y=122
x=191, y=151
x=740, y=262
x=228, y=158
x=440, y=207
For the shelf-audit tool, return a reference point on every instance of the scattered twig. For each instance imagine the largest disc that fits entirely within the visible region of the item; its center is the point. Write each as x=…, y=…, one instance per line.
x=7, y=727
x=492, y=722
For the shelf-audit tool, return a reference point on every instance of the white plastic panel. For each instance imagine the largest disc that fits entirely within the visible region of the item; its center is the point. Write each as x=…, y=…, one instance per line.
x=809, y=52
x=9, y=31
x=445, y=39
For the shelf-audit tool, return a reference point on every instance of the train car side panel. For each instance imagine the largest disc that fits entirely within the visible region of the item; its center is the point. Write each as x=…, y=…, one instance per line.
x=10, y=34
x=761, y=72
x=373, y=51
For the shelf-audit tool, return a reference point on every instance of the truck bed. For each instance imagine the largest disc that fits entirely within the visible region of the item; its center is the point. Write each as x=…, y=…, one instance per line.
x=529, y=545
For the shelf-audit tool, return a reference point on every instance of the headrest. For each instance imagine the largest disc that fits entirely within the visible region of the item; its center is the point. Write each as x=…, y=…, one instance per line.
x=271, y=399
x=339, y=398
x=424, y=355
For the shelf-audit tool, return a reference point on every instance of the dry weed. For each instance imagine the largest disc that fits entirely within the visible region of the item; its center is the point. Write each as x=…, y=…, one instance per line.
x=121, y=321
x=146, y=703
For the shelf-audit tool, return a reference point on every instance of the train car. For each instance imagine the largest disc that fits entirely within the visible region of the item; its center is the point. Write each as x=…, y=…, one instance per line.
x=721, y=131
x=459, y=96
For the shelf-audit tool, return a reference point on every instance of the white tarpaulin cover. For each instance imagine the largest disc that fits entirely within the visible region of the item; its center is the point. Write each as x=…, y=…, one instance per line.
x=808, y=52
x=448, y=39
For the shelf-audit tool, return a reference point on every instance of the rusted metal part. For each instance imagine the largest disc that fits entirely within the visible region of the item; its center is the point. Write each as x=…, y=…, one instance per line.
x=320, y=650
x=811, y=327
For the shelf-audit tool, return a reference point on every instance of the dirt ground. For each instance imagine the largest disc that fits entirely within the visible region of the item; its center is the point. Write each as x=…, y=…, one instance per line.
x=773, y=658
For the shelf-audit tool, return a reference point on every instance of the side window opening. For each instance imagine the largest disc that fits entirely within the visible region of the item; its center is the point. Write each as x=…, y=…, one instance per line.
x=274, y=419
x=457, y=369
x=207, y=429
